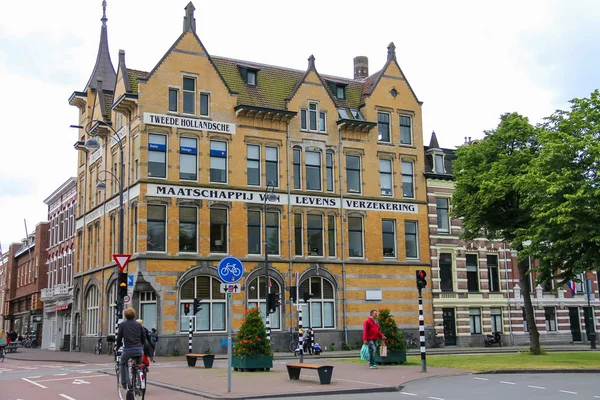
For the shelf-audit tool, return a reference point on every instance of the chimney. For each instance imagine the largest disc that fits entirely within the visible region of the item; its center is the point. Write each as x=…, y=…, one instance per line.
x=361, y=67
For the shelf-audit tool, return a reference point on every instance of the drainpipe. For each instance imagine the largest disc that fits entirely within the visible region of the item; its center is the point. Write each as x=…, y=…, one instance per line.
x=289, y=212
x=343, y=239
x=510, y=329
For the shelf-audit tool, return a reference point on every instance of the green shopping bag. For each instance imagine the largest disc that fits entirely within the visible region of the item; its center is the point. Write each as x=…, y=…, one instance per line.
x=364, y=353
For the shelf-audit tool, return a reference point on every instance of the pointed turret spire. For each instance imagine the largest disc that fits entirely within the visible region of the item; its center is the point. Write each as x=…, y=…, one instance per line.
x=433, y=143
x=311, y=62
x=391, y=56
x=104, y=67
x=189, y=22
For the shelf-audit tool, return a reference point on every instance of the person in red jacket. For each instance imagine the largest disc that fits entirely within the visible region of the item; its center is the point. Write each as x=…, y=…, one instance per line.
x=371, y=334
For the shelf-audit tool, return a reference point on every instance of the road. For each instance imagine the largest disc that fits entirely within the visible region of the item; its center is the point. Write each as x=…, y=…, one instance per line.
x=29, y=380
x=553, y=386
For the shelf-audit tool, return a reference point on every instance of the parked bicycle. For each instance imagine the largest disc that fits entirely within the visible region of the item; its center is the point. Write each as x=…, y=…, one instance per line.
x=29, y=342
x=294, y=344
x=434, y=341
x=136, y=379
x=98, y=347
x=411, y=342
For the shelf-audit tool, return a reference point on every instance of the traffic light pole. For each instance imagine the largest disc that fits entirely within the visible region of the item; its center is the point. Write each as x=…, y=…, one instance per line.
x=190, y=334
x=300, y=336
x=422, y=334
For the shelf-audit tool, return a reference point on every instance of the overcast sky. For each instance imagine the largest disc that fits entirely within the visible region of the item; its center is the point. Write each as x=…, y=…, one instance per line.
x=468, y=61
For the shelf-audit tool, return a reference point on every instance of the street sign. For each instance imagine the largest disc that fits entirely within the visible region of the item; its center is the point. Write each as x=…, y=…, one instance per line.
x=121, y=260
x=127, y=299
x=230, y=270
x=230, y=288
x=129, y=280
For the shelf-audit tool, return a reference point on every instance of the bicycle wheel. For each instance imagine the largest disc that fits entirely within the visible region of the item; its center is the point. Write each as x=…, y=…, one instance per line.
x=121, y=391
x=293, y=346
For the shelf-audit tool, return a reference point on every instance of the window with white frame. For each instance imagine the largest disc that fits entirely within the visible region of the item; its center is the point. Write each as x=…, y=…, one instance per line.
x=253, y=157
x=189, y=95
x=218, y=161
x=383, y=127
x=188, y=229
x=297, y=168
x=218, y=230
x=388, y=235
x=255, y=232
x=411, y=239
x=496, y=319
x=321, y=313
x=313, y=170
x=405, y=130
x=157, y=156
x=493, y=273
x=312, y=119
x=148, y=309
x=331, y=235
x=472, y=273
x=257, y=292
x=173, y=100
x=157, y=227
x=475, y=320
x=329, y=170
x=92, y=311
x=445, y=265
x=204, y=104
x=385, y=177
x=212, y=316
x=112, y=307
x=315, y=234
x=355, y=237
x=438, y=162
x=298, y=234
x=272, y=165
x=188, y=159
x=353, y=180
x=408, y=186
x=443, y=214
x=550, y=316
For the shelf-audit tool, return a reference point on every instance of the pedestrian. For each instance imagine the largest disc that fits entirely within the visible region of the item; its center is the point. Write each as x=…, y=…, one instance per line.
x=153, y=341
x=148, y=349
x=309, y=341
x=372, y=333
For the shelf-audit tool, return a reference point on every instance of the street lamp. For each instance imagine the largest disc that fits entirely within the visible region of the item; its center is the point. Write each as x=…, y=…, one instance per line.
x=269, y=196
x=99, y=128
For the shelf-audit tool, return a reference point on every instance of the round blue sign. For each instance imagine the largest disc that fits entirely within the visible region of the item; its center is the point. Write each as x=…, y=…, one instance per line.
x=230, y=270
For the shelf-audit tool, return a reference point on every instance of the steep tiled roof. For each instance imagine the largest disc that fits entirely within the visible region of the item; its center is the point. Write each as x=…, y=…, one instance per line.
x=108, y=101
x=134, y=74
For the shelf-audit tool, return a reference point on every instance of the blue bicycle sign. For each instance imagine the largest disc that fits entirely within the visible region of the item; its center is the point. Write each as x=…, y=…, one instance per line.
x=230, y=270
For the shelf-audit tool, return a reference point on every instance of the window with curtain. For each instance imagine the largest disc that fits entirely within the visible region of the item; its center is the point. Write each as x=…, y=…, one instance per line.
x=475, y=320
x=496, y=319
x=212, y=316
x=321, y=313
x=257, y=292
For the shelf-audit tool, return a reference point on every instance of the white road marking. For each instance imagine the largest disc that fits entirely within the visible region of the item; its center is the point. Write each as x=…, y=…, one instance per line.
x=566, y=391
x=507, y=383
x=408, y=394
x=28, y=367
x=80, y=382
x=435, y=398
x=597, y=397
x=536, y=387
x=66, y=397
x=35, y=383
x=35, y=377
x=73, y=378
x=86, y=372
x=365, y=383
x=481, y=379
x=60, y=374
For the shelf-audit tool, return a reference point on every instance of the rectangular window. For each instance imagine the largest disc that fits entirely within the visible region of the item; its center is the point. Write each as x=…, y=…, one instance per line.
x=496, y=319
x=388, y=233
x=303, y=125
x=273, y=232
x=298, y=234
x=272, y=165
x=331, y=236
x=385, y=177
x=254, y=232
x=157, y=227
x=383, y=127
x=218, y=230
x=353, y=174
x=157, y=156
x=493, y=275
x=322, y=122
x=312, y=111
x=445, y=264
x=550, y=315
x=439, y=164
x=313, y=170
x=204, y=104
x=188, y=222
x=135, y=230
x=173, y=94
x=472, y=273
x=475, y=317
x=189, y=95
x=297, y=169
x=443, y=218
x=355, y=237
x=218, y=161
x=188, y=158
x=329, y=167
x=251, y=77
x=339, y=92
x=411, y=239
x=407, y=179
x=405, y=130
x=253, y=156
x=315, y=235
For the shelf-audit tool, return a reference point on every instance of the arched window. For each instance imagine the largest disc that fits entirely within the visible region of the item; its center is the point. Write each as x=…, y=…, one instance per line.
x=211, y=318
x=112, y=307
x=257, y=293
x=321, y=313
x=91, y=315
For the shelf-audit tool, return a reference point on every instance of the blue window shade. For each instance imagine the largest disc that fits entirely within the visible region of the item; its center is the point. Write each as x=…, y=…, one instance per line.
x=187, y=150
x=218, y=153
x=157, y=147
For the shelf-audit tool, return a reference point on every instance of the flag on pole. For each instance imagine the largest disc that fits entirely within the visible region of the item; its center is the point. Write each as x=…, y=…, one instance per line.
x=573, y=287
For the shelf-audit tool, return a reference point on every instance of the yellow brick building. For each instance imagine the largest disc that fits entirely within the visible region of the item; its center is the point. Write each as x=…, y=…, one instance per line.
x=203, y=136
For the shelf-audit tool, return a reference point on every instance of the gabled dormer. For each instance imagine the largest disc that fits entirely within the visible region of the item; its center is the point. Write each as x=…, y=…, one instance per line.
x=249, y=74
x=438, y=161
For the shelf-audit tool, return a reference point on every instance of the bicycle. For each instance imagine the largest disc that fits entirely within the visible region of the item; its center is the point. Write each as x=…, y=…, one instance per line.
x=295, y=343
x=411, y=342
x=233, y=269
x=98, y=347
x=136, y=385
x=434, y=341
x=2, y=353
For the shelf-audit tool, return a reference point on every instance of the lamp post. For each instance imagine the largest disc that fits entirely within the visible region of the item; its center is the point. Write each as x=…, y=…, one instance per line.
x=97, y=128
x=269, y=196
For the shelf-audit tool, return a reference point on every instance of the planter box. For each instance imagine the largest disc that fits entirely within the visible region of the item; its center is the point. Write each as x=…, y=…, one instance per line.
x=252, y=363
x=393, y=357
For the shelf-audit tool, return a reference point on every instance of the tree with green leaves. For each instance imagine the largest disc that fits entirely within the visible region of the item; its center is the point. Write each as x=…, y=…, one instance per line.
x=564, y=193
x=488, y=196
x=394, y=337
x=251, y=339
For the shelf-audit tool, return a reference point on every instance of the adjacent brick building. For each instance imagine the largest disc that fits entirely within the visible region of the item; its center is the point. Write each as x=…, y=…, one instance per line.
x=202, y=138
x=476, y=283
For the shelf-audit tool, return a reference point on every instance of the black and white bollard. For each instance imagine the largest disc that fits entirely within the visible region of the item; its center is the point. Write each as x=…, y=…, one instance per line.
x=190, y=335
x=422, y=333
x=268, y=326
x=300, y=336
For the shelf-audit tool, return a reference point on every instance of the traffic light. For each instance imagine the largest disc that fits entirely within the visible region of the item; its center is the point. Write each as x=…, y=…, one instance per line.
x=122, y=292
x=307, y=296
x=274, y=302
x=186, y=308
x=293, y=294
x=421, y=282
x=197, y=307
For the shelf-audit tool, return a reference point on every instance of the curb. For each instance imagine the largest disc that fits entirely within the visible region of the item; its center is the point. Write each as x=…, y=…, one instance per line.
x=380, y=389
x=538, y=371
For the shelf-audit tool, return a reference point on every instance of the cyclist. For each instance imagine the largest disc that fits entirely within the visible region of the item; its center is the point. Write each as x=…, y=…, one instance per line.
x=131, y=336
x=3, y=343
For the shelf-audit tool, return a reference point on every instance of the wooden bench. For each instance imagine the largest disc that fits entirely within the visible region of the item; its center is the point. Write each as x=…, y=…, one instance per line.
x=208, y=359
x=11, y=348
x=325, y=371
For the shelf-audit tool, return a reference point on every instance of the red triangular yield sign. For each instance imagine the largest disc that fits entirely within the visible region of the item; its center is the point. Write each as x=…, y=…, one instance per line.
x=121, y=260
